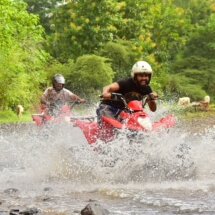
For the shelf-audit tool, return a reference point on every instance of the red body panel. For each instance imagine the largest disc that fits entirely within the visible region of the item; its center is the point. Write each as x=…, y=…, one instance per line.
x=128, y=120
x=38, y=120
x=93, y=132
x=90, y=130
x=167, y=122
x=135, y=105
x=42, y=118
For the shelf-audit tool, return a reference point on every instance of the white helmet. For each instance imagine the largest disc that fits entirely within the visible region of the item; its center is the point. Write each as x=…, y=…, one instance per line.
x=141, y=67
x=58, y=78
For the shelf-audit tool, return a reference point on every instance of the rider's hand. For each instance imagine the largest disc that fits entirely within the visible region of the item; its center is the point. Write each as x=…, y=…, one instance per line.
x=153, y=95
x=106, y=95
x=81, y=100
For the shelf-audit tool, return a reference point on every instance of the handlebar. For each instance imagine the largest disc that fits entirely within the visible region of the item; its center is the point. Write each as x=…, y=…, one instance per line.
x=147, y=98
x=120, y=97
x=57, y=105
x=76, y=102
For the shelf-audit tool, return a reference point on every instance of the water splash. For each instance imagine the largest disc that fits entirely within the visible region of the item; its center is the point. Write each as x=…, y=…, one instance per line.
x=169, y=169
x=61, y=153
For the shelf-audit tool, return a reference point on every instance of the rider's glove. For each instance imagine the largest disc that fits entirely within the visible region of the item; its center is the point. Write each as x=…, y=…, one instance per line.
x=151, y=96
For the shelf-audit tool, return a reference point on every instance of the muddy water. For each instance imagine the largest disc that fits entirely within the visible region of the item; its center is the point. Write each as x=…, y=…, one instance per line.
x=57, y=172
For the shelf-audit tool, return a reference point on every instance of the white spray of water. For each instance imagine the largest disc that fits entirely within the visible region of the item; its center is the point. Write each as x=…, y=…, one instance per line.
x=61, y=154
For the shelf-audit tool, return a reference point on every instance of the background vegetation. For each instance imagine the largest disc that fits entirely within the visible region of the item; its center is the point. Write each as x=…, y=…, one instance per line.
x=94, y=43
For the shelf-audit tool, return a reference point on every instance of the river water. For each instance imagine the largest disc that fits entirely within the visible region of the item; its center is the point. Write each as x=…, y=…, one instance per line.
x=56, y=171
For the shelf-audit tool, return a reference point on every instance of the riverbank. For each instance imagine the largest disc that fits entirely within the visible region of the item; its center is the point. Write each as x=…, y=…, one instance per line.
x=197, y=121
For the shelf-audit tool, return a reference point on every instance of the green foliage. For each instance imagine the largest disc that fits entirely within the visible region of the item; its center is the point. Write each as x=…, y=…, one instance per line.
x=82, y=27
x=9, y=116
x=202, y=42
x=43, y=9
x=89, y=75
x=156, y=28
x=22, y=57
x=182, y=85
x=153, y=27
x=121, y=57
x=196, y=63
x=17, y=25
x=55, y=67
x=199, y=11
x=91, y=38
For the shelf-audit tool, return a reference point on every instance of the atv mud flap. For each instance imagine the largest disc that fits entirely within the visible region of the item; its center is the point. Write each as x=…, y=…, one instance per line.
x=90, y=130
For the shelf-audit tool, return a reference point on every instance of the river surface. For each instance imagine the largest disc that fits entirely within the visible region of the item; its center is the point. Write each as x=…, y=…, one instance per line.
x=55, y=170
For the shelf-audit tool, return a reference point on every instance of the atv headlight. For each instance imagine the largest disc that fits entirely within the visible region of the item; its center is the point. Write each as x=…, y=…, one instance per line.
x=145, y=122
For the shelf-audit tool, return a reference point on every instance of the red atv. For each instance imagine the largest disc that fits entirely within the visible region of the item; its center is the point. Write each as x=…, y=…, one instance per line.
x=132, y=120
x=56, y=113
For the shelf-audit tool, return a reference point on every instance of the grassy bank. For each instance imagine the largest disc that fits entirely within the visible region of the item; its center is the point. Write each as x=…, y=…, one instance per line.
x=189, y=113
x=11, y=117
x=8, y=116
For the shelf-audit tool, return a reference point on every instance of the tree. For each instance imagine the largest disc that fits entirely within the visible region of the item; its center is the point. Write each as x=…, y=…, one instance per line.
x=44, y=9
x=121, y=57
x=196, y=62
x=199, y=11
x=22, y=56
x=154, y=27
x=82, y=27
x=89, y=75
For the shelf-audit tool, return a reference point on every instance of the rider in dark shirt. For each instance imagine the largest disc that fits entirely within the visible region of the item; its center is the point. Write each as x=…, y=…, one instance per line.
x=133, y=88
